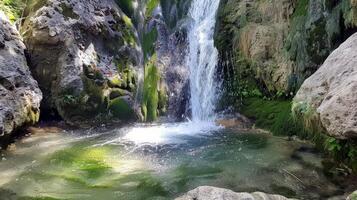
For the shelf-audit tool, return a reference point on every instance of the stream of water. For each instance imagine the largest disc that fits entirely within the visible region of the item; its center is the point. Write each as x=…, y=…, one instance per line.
x=202, y=59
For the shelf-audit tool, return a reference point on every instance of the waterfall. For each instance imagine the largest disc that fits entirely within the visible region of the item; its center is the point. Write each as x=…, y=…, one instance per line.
x=202, y=59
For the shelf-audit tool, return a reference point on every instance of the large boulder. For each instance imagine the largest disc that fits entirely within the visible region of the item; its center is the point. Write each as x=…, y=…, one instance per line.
x=213, y=193
x=20, y=96
x=327, y=101
x=85, y=55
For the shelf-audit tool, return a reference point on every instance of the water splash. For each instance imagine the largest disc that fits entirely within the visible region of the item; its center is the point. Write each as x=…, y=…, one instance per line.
x=202, y=59
x=174, y=133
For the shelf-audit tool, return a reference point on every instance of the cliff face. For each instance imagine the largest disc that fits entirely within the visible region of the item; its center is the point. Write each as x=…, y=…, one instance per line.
x=96, y=61
x=19, y=93
x=85, y=55
x=281, y=43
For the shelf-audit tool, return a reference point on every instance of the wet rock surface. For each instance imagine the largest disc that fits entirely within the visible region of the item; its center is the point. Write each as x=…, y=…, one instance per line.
x=19, y=93
x=212, y=193
x=85, y=56
x=328, y=98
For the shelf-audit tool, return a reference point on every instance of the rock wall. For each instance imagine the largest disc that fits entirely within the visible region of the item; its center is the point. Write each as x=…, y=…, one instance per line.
x=19, y=93
x=85, y=56
x=279, y=44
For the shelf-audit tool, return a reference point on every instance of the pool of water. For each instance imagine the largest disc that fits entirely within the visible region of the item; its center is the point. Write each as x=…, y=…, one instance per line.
x=159, y=161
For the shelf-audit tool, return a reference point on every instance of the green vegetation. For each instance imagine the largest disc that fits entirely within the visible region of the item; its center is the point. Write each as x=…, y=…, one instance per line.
x=12, y=8
x=148, y=43
x=121, y=109
x=301, y=8
x=273, y=115
x=150, y=96
x=150, y=6
x=80, y=167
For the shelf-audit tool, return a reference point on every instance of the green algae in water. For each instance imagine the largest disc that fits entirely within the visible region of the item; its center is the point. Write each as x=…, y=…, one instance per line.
x=109, y=166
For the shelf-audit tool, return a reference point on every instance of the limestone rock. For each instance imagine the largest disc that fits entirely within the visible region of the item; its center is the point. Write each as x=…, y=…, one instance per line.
x=20, y=96
x=329, y=97
x=280, y=43
x=212, y=193
x=81, y=51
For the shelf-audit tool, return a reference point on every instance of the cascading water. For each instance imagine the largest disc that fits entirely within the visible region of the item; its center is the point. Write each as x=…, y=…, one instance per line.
x=202, y=59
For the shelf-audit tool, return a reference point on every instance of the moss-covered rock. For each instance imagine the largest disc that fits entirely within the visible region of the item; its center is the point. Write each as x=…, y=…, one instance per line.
x=93, y=59
x=120, y=108
x=154, y=100
x=286, y=40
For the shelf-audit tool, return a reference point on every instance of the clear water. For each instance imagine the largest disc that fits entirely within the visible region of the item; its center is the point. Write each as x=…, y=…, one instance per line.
x=202, y=59
x=158, y=162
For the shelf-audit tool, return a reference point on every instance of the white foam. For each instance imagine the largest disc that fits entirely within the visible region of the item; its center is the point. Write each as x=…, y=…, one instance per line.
x=169, y=133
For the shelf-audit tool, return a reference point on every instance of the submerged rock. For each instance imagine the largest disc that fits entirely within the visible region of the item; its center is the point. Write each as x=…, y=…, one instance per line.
x=20, y=96
x=327, y=101
x=213, y=193
x=84, y=54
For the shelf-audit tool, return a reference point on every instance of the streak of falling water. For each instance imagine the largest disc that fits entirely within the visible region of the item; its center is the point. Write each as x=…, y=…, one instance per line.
x=202, y=59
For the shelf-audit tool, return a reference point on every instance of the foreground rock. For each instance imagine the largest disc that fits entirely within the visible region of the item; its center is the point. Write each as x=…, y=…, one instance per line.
x=327, y=101
x=84, y=55
x=212, y=193
x=20, y=96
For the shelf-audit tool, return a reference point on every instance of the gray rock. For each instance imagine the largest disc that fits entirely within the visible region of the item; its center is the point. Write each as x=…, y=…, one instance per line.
x=213, y=193
x=77, y=48
x=20, y=96
x=328, y=99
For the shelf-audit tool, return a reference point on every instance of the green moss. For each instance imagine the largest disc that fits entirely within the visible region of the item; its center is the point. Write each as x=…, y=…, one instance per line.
x=150, y=6
x=273, y=115
x=12, y=8
x=121, y=109
x=163, y=99
x=38, y=198
x=343, y=151
x=149, y=43
x=150, y=100
x=301, y=8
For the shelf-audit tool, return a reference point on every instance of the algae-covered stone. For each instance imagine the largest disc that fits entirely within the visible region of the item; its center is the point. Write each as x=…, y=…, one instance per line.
x=150, y=93
x=80, y=52
x=20, y=96
x=121, y=108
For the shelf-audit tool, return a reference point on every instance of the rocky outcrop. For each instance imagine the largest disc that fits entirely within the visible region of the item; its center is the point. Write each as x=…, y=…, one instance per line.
x=85, y=55
x=212, y=193
x=278, y=44
x=20, y=95
x=327, y=100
